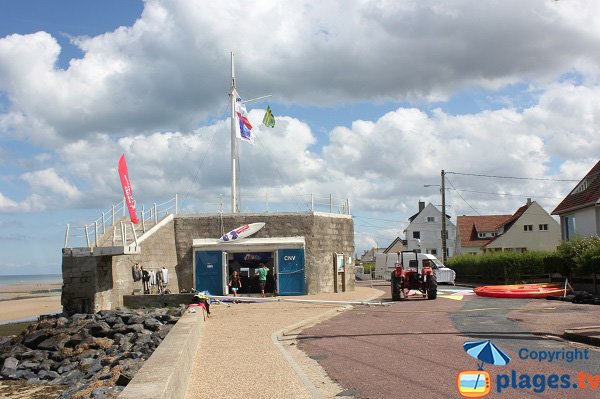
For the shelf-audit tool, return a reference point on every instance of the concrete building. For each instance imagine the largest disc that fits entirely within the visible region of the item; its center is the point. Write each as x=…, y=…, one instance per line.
x=424, y=233
x=579, y=211
x=298, y=248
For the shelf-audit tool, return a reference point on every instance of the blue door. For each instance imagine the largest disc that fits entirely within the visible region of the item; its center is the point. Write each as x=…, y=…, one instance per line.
x=209, y=271
x=291, y=272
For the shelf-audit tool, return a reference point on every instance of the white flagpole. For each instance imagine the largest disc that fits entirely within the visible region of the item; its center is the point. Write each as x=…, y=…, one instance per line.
x=234, y=147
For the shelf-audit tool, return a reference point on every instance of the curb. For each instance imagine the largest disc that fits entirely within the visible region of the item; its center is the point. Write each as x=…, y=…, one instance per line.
x=166, y=373
x=277, y=335
x=584, y=335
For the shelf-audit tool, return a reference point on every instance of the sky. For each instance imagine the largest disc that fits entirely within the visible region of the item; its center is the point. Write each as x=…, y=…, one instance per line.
x=372, y=99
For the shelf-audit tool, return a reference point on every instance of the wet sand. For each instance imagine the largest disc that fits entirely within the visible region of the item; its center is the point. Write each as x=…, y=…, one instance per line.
x=20, y=302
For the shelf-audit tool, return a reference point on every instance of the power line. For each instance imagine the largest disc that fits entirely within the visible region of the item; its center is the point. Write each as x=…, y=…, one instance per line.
x=512, y=177
x=507, y=194
x=462, y=196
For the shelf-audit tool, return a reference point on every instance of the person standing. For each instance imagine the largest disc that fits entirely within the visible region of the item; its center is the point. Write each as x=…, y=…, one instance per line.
x=146, y=280
x=262, y=272
x=235, y=283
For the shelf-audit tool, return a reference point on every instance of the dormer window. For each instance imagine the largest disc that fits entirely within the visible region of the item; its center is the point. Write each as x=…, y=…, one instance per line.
x=584, y=184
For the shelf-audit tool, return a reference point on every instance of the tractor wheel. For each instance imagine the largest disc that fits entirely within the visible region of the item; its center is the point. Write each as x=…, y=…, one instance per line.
x=432, y=287
x=396, y=287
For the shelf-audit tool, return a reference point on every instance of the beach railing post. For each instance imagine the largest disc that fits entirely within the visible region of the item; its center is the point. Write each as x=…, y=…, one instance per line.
x=67, y=236
x=155, y=214
x=114, y=235
x=134, y=234
x=87, y=237
x=123, y=234
x=220, y=203
x=103, y=225
x=143, y=219
x=96, y=233
x=348, y=206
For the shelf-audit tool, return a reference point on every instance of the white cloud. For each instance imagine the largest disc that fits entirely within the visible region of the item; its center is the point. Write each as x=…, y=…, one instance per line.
x=170, y=69
x=6, y=204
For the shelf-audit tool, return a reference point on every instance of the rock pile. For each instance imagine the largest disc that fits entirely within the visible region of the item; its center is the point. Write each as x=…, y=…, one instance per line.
x=93, y=355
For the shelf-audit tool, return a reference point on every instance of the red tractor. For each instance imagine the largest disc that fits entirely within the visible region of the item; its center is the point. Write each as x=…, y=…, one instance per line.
x=409, y=274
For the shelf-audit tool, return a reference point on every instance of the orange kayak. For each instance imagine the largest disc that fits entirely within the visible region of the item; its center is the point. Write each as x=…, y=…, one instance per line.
x=521, y=290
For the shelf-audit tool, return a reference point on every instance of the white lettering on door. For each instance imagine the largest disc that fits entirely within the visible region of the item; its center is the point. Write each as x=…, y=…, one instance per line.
x=289, y=257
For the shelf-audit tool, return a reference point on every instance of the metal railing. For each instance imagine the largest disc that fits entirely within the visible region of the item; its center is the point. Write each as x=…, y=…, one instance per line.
x=114, y=228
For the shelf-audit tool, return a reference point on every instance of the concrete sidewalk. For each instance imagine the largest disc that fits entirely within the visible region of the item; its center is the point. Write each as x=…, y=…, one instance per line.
x=237, y=357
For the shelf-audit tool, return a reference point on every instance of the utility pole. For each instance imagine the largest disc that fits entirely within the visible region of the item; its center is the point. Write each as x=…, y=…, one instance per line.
x=234, y=143
x=443, y=189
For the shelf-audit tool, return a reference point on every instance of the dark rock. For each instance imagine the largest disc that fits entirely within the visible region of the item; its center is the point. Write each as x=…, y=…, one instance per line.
x=35, y=366
x=99, y=329
x=47, y=365
x=135, y=319
x=123, y=380
x=78, y=317
x=5, y=341
x=142, y=340
x=55, y=343
x=90, y=365
x=34, y=380
x=152, y=324
x=70, y=377
x=47, y=375
x=134, y=328
x=32, y=340
x=25, y=374
x=34, y=355
x=66, y=367
x=74, y=340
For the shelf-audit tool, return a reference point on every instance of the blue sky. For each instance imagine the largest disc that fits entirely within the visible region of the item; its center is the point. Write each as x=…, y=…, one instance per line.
x=372, y=100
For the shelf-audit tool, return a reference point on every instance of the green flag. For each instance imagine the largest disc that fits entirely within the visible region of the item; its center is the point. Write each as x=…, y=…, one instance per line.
x=269, y=119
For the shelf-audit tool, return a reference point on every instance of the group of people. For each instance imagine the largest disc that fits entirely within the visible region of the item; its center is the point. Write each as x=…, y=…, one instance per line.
x=153, y=281
x=235, y=281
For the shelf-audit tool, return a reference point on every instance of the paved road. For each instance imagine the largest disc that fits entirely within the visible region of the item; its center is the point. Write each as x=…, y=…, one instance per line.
x=414, y=349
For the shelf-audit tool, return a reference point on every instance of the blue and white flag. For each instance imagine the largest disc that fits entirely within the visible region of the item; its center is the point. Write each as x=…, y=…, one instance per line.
x=243, y=128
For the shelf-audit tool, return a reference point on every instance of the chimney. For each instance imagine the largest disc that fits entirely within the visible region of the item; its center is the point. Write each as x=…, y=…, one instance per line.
x=528, y=201
x=421, y=205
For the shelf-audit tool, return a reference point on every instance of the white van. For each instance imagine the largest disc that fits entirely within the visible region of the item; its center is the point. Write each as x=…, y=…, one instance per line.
x=386, y=263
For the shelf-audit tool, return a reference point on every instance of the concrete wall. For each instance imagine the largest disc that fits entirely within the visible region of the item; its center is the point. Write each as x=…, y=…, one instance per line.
x=324, y=234
x=92, y=283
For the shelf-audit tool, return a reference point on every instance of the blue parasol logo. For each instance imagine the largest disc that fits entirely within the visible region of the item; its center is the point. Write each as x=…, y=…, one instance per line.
x=486, y=352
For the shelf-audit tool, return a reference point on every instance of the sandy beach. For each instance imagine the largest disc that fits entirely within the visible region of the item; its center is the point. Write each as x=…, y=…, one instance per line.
x=25, y=301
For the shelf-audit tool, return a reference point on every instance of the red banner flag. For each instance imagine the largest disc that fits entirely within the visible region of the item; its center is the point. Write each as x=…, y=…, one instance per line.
x=124, y=175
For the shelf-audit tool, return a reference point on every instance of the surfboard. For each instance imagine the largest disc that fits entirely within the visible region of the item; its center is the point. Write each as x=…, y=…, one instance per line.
x=242, y=231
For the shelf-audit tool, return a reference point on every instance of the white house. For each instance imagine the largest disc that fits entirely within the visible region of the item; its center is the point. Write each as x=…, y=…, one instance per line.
x=530, y=228
x=424, y=233
x=580, y=210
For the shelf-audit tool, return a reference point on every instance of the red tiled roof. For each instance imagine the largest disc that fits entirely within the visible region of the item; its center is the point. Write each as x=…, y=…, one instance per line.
x=583, y=198
x=469, y=226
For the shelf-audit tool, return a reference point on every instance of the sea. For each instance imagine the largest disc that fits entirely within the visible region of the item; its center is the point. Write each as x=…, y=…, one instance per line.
x=31, y=279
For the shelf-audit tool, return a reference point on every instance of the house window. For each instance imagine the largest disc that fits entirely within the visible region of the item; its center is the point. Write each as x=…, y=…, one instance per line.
x=569, y=227
x=430, y=219
x=432, y=251
x=543, y=227
x=417, y=235
x=528, y=227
